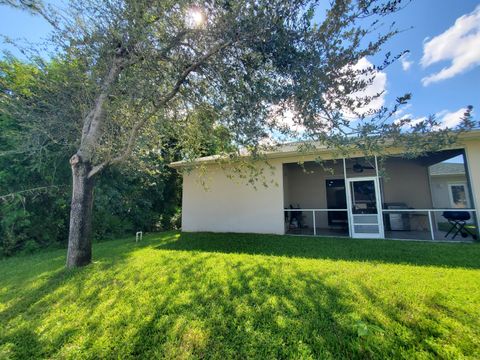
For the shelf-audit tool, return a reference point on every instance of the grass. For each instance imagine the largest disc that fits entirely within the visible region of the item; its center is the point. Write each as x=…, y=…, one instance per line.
x=222, y=296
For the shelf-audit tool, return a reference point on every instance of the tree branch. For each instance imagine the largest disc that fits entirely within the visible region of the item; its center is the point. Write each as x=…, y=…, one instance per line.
x=92, y=122
x=11, y=195
x=190, y=69
x=170, y=95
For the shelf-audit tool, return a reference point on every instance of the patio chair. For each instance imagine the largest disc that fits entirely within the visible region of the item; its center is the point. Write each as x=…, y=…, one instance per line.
x=458, y=221
x=296, y=218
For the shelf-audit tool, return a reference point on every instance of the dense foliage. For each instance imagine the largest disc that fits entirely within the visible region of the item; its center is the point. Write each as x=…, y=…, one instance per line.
x=35, y=177
x=36, y=187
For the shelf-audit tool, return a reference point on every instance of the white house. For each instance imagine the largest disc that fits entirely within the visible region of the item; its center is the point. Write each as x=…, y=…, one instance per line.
x=356, y=197
x=449, y=185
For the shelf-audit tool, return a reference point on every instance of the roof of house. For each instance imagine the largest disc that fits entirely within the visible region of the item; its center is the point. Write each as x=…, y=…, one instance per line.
x=288, y=149
x=445, y=168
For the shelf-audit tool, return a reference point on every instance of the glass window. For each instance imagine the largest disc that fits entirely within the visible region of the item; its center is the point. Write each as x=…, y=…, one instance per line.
x=458, y=196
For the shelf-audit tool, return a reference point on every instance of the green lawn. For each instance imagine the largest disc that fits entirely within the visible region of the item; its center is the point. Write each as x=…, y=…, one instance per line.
x=245, y=296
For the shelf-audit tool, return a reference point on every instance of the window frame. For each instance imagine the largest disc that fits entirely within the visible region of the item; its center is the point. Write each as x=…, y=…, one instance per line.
x=450, y=194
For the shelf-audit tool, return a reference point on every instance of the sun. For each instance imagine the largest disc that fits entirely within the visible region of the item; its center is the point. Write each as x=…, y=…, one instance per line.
x=196, y=17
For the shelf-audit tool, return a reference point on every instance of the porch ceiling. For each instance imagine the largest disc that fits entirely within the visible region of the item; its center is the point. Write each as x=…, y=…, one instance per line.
x=437, y=157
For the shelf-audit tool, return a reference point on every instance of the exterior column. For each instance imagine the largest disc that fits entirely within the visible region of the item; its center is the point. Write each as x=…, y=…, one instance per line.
x=381, y=199
x=347, y=193
x=472, y=154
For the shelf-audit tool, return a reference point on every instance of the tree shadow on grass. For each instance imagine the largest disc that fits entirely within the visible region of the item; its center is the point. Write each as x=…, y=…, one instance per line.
x=225, y=307
x=35, y=285
x=254, y=311
x=384, y=251
x=194, y=304
x=437, y=326
x=20, y=341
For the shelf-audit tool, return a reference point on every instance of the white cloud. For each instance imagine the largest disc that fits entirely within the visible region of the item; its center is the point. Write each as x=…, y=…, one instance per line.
x=460, y=44
x=400, y=112
x=445, y=118
x=268, y=141
x=413, y=121
x=398, y=120
x=406, y=64
x=417, y=121
x=285, y=115
x=378, y=86
x=450, y=119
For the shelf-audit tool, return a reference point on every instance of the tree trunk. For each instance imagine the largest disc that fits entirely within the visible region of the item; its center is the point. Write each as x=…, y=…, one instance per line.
x=79, y=242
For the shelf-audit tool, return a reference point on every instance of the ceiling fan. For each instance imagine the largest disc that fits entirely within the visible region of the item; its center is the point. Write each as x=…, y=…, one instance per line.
x=358, y=168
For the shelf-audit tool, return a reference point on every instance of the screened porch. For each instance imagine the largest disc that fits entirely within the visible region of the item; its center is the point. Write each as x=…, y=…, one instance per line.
x=426, y=198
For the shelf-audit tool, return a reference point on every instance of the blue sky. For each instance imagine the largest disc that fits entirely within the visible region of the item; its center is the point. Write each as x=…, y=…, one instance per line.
x=441, y=32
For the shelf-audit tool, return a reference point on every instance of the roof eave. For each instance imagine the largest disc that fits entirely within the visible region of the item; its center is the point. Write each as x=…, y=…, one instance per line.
x=472, y=134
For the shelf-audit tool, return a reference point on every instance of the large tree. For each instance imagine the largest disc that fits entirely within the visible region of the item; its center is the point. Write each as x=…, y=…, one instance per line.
x=35, y=176
x=145, y=65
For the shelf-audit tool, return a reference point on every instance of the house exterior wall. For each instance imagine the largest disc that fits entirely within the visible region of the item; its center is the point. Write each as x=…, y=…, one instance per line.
x=472, y=152
x=407, y=182
x=306, y=188
x=230, y=205
x=440, y=190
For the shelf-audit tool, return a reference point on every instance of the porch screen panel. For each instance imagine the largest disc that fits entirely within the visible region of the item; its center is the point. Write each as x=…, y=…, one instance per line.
x=366, y=229
x=365, y=219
